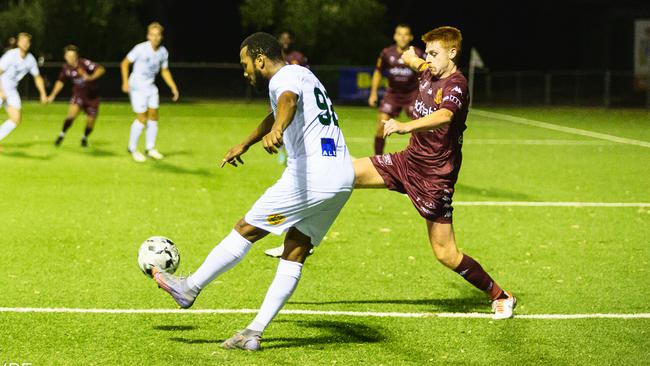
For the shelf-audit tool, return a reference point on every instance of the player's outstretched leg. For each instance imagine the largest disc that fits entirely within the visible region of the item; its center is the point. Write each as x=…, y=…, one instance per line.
x=67, y=123
x=232, y=249
x=444, y=247
x=287, y=276
x=90, y=125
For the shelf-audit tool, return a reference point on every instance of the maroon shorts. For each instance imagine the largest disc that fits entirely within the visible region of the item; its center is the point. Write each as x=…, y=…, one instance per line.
x=88, y=105
x=431, y=199
x=393, y=103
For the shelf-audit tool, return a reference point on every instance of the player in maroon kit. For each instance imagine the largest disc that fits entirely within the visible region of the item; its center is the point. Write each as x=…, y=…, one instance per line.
x=83, y=74
x=428, y=169
x=291, y=55
x=402, y=82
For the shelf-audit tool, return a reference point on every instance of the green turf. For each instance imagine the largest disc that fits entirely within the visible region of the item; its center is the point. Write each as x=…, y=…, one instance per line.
x=71, y=221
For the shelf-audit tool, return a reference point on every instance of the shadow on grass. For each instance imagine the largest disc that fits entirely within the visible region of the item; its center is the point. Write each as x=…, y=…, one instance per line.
x=491, y=192
x=23, y=155
x=176, y=169
x=464, y=304
x=333, y=333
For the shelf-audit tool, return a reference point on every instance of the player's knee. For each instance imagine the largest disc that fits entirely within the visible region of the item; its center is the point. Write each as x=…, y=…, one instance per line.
x=249, y=232
x=446, y=253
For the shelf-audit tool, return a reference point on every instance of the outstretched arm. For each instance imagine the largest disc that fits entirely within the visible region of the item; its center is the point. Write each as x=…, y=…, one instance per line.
x=99, y=71
x=287, y=105
x=437, y=119
x=40, y=85
x=234, y=154
x=58, y=85
x=169, y=80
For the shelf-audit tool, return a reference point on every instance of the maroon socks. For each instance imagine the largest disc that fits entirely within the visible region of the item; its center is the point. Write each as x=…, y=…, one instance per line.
x=472, y=271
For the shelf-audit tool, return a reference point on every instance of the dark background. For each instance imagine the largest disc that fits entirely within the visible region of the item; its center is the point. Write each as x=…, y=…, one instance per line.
x=510, y=35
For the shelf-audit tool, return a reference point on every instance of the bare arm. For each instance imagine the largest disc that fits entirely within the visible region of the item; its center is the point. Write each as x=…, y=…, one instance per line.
x=40, y=85
x=99, y=71
x=287, y=105
x=374, y=85
x=437, y=119
x=411, y=59
x=234, y=154
x=169, y=80
x=58, y=85
x=124, y=69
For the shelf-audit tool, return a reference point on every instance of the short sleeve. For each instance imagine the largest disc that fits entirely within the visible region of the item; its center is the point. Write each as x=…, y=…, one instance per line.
x=33, y=68
x=62, y=76
x=133, y=54
x=289, y=81
x=4, y=61
x=164, y=63
x=454, y=95
x=380, y=65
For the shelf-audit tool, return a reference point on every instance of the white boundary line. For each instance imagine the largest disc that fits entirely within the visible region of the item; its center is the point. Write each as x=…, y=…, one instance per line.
x=551, y=204
x=365, y=314
x=551, y=126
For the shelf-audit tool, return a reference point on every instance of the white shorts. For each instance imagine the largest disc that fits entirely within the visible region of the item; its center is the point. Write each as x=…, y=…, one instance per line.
x=13, y=98
x=283, y=206
x=143, y=99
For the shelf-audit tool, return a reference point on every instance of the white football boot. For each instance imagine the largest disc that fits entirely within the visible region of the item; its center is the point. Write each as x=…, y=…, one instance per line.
x=138, y=156
x=277, y=251
x=504, y=308
x=154, y=154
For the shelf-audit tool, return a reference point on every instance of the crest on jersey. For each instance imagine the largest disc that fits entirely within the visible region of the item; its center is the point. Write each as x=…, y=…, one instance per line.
x=438, y=98
x=275, y=219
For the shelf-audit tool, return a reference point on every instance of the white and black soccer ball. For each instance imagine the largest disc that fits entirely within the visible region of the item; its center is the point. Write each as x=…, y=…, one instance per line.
x=159, y=252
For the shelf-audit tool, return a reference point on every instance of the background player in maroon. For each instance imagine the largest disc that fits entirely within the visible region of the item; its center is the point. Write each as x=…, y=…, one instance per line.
x=428, y=169
x=402, y=82
x=291, y=55
x=83, y=74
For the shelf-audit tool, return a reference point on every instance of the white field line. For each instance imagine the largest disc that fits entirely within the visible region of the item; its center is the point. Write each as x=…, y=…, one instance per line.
x=551, y=204
x=365, y=314
x=551, y=126
x=544, y=142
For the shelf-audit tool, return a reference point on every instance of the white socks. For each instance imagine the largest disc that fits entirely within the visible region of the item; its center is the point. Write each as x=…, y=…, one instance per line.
x=6, y=128
x=285, y=282
x=136, y=130
x=150, y=135
x=223, y=257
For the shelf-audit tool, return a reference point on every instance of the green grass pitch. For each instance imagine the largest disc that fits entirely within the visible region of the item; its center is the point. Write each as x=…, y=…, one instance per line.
x=71, y=221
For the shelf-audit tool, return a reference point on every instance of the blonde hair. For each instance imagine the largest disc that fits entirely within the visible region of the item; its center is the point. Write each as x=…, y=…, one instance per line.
x=155, y=25
x=24, y=34
x=449, y=37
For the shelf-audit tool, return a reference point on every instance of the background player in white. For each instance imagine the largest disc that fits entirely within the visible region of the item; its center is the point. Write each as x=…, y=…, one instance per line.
x=14, y=65
x=147, y=58
x=304, y=202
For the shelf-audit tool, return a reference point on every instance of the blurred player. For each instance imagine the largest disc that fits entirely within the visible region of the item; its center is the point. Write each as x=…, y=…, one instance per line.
x=428, y=169
x=291, y=55
x=14, y=65
x=304, y=202
x=83, y=74
x=402, y=82
x=147, y=58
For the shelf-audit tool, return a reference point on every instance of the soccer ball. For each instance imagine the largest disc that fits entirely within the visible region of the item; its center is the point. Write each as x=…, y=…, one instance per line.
x=159, y=252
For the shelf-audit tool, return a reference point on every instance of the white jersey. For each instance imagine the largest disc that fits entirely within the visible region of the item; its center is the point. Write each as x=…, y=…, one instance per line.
x=146, y=64
x=15, y=67
x=317, y=156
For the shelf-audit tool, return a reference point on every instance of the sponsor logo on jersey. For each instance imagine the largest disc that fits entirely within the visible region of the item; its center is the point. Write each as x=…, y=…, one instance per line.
x=328, y=146
x=422, y=109
x=400, y=71
x=275, y=219
x=438, y=98
x=453, y=99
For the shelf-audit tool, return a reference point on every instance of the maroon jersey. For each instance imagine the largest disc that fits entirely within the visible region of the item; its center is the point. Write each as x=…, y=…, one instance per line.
x=437, y=153
x=401, y=79
x=81, y=88
x=296, y=58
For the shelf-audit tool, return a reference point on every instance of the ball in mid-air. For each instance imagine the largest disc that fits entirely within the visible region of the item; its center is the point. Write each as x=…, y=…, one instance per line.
x=159, y=252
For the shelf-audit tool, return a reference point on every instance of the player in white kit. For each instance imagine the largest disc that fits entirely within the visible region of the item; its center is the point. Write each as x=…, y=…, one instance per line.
x=304, y=202
x=148, y=58
x=14, y=65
